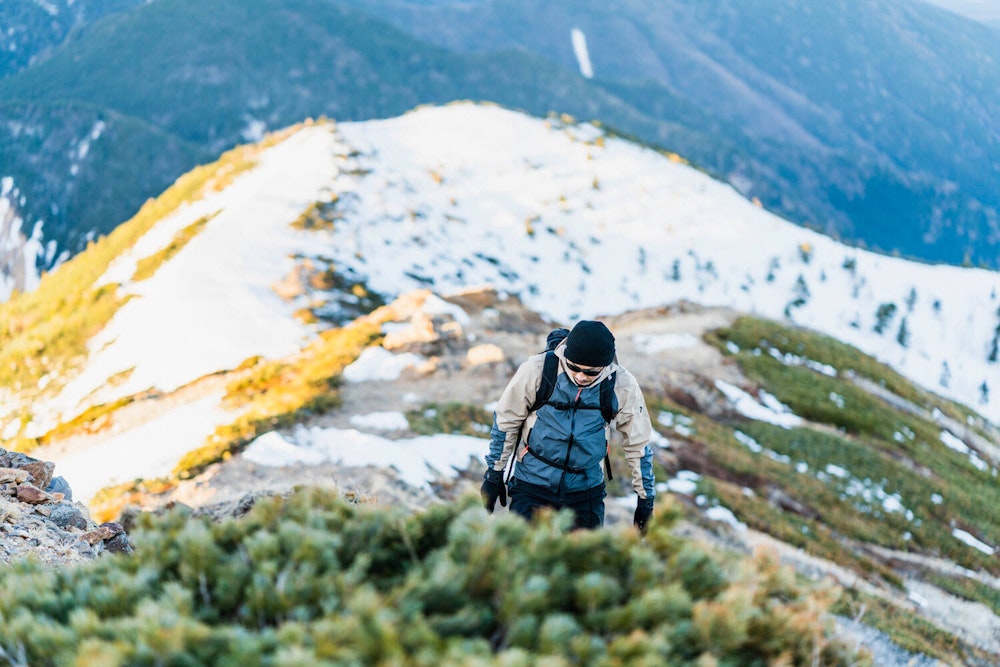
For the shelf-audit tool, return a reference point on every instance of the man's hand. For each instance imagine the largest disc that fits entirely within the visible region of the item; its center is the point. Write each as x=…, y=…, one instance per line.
x=493, y=488
x=643, y=510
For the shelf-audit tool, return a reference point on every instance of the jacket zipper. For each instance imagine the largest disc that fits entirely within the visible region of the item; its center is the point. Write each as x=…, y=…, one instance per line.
x=569, y=445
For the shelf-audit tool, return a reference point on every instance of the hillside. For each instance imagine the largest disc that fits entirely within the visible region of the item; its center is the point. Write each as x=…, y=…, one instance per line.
x=32, y=29
x=340, y=304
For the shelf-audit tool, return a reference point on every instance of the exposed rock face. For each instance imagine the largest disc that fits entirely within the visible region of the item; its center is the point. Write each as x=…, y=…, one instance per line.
x=38, y=516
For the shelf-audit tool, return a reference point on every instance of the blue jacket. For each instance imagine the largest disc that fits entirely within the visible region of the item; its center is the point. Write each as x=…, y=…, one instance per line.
x=563, y=449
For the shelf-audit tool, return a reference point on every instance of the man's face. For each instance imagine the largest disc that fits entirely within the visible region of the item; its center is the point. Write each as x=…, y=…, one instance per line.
x=583, y=376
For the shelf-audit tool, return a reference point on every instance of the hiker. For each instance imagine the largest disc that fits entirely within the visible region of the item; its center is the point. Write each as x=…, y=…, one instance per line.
x=559, y=409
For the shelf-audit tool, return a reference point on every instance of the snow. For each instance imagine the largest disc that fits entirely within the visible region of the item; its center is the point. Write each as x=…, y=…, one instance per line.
x=377, y=363
x=498, y=170
x=772, y=411
x=685, y=482
x=442, y=197
x=381, y=421
x=418, y=461
x=18, y=253
x=725, y=515
x=48, y=7
x=271, y=449
x=987, y=11
x=972, y=541
x=953, y=443
x=148, y=451
x=212, y=306
x=582, y=54
x=653, y=344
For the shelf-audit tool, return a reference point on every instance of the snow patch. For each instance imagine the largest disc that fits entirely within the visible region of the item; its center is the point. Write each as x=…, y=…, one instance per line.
x=378, y=363
x=418, y=461
x=381, y=421
x=772, y=411
x=972, y=541
x=582, y=54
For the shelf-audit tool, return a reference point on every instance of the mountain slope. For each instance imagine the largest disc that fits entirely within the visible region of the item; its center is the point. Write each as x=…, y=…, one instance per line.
x=869, y=115
x=31, y=29
x=231, y=338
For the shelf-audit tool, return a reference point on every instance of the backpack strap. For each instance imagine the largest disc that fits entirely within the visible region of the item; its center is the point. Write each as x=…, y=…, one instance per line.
x=609, y=412
x=550, y=372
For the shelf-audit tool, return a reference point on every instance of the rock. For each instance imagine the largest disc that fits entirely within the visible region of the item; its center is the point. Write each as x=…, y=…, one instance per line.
x=113, y=528
x=486, y=353
x=27, y=493
x=44, y=524
x=118, y=544
x=92, y=537
x=8, y=475
x=65, y=516
x=105, y=531
x=60, y=485
x=40, y=471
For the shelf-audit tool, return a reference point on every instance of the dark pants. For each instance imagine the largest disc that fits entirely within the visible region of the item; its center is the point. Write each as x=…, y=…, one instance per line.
x=587, y=506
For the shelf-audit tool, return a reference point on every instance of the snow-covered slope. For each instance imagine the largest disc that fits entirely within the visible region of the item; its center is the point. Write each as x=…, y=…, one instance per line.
x=582, y=225
x=578, y=223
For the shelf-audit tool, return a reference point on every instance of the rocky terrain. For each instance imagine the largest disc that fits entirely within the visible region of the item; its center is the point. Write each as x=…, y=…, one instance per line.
x=39, y=521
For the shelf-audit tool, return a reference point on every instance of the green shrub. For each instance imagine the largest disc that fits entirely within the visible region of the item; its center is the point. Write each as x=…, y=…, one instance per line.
x=314, y=579
x=456, y=418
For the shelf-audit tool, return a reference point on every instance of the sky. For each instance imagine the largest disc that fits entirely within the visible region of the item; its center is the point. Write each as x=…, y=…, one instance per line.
x=449, y=198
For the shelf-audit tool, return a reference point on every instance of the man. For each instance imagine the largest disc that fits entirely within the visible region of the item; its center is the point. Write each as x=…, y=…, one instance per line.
x=561, y=444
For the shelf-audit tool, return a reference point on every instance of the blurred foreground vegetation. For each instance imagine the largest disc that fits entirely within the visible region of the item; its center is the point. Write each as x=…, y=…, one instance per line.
x=316, y=580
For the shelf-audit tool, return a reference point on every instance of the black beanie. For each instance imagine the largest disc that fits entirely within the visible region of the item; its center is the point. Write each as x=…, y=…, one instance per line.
x=590, y=343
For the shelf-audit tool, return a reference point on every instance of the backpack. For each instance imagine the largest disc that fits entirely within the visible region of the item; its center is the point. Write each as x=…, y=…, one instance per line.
x=550, y=372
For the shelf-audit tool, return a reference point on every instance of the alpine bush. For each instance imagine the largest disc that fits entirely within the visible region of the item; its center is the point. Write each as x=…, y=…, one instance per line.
x=314, y=579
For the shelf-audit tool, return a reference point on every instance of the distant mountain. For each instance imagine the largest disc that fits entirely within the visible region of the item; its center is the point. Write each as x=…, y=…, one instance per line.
x=877, y=120
x=343, y=299
x=73, y=167
x=872, y=122
x=31, y=29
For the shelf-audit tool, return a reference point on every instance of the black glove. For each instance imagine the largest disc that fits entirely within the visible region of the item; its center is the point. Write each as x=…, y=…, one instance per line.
x=493, y=488
x=643, y=510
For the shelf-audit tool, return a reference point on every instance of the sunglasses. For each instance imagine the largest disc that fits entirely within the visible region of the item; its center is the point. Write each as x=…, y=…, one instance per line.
x=589, y=372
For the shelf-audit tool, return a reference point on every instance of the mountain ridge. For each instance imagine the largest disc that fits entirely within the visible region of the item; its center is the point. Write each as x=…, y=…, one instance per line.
x=589, y=216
